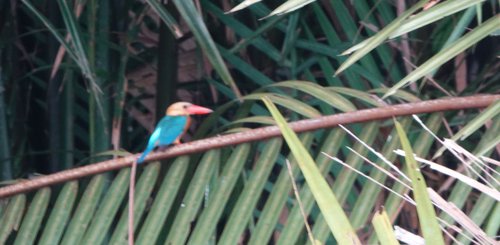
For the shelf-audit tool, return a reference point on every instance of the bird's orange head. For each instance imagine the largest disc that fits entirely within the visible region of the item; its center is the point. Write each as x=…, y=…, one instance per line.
x=185, y=109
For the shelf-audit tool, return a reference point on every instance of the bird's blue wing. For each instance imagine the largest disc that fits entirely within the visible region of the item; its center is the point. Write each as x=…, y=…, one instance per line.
x=166, y=132
x=171, y=128
x=153, y=139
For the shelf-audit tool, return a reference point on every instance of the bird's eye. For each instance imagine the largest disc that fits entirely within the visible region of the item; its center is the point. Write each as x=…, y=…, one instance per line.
x=185, y=106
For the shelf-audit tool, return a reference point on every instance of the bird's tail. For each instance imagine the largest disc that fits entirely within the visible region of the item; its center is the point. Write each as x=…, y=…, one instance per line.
x=144, y=154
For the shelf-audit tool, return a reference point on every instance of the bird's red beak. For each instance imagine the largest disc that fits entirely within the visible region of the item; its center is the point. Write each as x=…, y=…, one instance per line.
x=198, y=110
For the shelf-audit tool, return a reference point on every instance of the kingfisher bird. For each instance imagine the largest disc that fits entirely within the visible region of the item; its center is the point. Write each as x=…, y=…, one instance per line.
x=172, y=126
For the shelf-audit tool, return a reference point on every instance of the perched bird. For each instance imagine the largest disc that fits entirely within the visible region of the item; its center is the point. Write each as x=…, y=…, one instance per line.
x=168, y=131
x=171, y=127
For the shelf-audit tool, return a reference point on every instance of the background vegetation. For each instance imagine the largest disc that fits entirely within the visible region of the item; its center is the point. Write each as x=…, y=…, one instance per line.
x=85, y=81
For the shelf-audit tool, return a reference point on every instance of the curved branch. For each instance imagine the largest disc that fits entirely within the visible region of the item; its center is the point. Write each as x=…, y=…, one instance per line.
x=258, y=134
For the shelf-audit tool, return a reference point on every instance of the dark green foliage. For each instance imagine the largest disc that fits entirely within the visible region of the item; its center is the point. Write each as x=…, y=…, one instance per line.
x=125, y=61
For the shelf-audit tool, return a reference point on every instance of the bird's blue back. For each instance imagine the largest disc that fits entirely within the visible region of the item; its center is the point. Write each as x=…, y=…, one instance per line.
x=166, y=132
x=171, y=128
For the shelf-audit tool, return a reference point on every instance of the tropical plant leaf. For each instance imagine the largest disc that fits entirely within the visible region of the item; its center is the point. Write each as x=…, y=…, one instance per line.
x=424, y=18
x=288, y=102
x=380, y=37
x=332, y=211
x=167, y=18
x=12, y=216
x=243, y=5
x=448, y=53
x=383, y=228
x=53, y=30
x=329, y=97
x=238, y=193
x=426, y=213
x=193, y=19
x=290, y=6
x=179, y=201
x=492, y=111
x=33, y=217
x=58, y=220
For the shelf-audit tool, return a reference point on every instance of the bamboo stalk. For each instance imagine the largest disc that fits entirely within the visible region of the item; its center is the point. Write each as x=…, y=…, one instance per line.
x=5, y=161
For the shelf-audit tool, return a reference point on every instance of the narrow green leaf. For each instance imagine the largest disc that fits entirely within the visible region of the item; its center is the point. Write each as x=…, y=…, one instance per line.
x=33, y=218
x=287, y=102
x=120, y=153
x=367, y=199
x=53, y=30
x=425, y=141
x=163, y=201
x=343, y=188
x=60, y=214
x=472, y=126
x=108, y=209
x=346, y=179
x=489, y=145
x=246, y=69
x=265, y=120
x=289, y=6
x=294, y=226
x=291, y=35
x=462, y=25
x=80, y=49
x=492, y=111
x=424, y=18
x=269, y=217
x=426, y=213
x=207, y=222
x=383, y=228
x=241, y=215
x=85, y=211
x=243, y=5
x=449, y=52
x=254, y=36
x=330, y=208
x=12, y=216
x=197, y=25
x=145, y=184
x=493, y=224
x=400, y=94
x=433, y=14
x=167, y=18
x=329, y=97
x=78, y=44
x=461, y=193
x=379, y=38
x=368, y=66
x=236, y=130
x=193, y=198
x=481, y=211
x=360, y=95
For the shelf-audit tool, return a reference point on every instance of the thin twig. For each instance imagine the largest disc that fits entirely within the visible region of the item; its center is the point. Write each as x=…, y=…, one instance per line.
x=460, y=103
x=131, y=194
x=299, y=202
